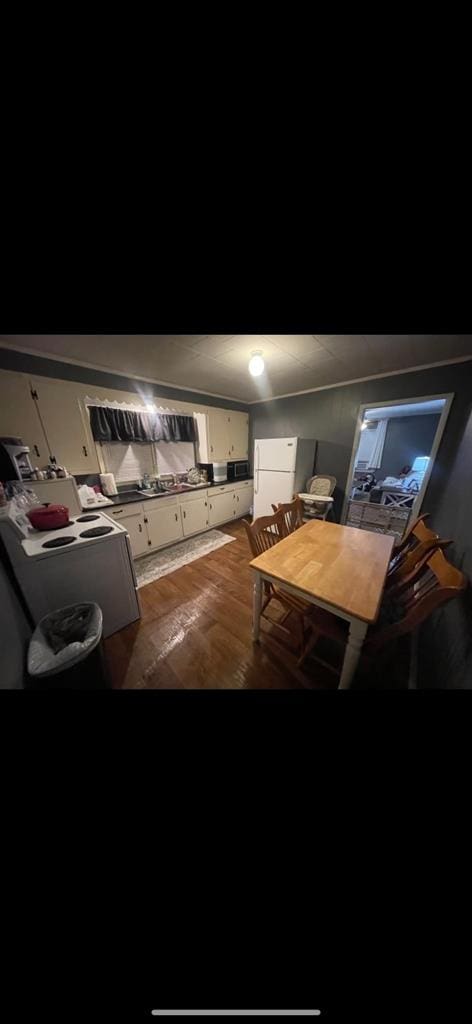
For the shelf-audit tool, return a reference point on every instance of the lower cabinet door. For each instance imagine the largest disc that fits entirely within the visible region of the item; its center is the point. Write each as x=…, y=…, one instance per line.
x=164, y=525
x=244, y=499
x=194, y=516
x=134, y=524
x=221, y=508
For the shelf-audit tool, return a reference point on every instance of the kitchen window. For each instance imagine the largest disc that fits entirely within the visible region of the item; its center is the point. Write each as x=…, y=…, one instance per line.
x=128, y=462
x=135, y=440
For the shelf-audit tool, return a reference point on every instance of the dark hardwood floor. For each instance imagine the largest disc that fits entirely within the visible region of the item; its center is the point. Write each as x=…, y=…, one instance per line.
x=195, y=632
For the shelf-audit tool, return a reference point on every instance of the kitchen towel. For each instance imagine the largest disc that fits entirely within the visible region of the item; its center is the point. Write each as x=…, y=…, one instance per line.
x=107, y=481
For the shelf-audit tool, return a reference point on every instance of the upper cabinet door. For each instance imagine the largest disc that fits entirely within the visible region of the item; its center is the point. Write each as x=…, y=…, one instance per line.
x=238, y=435
x=65, y=424
x=218, y=435
x=19, y=415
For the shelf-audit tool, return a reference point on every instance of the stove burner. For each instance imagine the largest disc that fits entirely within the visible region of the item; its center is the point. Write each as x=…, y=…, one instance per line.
x=86, y=519
x=58, y=542
x=97, y=531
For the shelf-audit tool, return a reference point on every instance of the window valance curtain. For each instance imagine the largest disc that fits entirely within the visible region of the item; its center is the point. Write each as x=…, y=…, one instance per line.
x=134, y=427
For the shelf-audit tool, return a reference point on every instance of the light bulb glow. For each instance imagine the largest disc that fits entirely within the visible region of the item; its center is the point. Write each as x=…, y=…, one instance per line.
x=256, y=364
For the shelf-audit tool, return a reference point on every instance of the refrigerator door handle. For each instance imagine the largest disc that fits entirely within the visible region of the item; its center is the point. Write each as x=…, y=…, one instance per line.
x=256, y=489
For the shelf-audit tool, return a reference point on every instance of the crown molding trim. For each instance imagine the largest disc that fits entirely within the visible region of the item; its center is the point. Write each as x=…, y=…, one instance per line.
x=230, y=398
x=117, y=373
x=360, y=380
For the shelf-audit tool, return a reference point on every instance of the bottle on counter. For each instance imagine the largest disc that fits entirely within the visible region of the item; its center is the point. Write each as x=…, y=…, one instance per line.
x=52, y=468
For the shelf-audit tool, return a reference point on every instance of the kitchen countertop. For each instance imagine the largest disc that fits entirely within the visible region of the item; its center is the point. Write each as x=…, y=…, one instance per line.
x=129, y=497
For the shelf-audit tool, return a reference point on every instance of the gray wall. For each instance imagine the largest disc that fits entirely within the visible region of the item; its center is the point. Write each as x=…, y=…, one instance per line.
x=445, y=653
x=406, y=437
x=24, y=363
x=446, y=642
x=330, y=417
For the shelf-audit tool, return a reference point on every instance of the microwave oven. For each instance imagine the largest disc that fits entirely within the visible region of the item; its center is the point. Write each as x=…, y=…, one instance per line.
x=238, y=470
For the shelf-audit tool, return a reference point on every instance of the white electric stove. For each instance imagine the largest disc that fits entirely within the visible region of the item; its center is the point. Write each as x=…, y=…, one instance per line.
x=87, y=560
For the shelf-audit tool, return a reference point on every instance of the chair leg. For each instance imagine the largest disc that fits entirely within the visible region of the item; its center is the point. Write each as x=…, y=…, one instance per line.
x=310, y=644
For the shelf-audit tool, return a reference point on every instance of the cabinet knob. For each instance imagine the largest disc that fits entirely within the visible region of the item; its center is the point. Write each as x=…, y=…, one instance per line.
x=140, y=528
x=36, y=449
x=176, y=516
x=84, y=450
x=211, y=447
x=185, y=516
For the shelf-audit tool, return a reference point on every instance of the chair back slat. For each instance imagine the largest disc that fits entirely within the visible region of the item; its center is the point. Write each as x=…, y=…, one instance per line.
x=264, y=532
x=418, y=541
x=431, y=584
x=292, y=514
x=407, y=568
x=414, y=529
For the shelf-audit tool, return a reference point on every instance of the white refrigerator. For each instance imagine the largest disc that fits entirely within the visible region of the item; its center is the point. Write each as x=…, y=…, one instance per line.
x=282, y=466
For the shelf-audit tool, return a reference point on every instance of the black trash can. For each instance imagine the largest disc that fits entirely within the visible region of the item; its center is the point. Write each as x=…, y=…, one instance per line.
x=66, y=650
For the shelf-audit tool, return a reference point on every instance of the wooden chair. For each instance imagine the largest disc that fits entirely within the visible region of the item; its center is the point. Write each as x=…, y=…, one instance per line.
x=408, y=537
x=292, y=514
x=262, y=534
x=414, y=550
x=431, y=585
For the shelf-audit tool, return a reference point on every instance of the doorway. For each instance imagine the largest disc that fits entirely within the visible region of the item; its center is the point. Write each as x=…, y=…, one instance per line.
x=395, y=445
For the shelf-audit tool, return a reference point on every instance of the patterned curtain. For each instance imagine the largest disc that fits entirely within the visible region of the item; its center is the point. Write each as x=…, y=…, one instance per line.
x=110, y=425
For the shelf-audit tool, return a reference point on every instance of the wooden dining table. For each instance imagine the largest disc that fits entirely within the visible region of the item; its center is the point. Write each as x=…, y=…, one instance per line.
x=339, y=568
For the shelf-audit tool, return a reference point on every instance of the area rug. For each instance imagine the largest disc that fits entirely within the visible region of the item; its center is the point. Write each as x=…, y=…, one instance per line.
x=152, y=567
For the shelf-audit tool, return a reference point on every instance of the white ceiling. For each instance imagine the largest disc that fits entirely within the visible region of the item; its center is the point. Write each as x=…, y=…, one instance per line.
x=407, y=409
x=217, y=363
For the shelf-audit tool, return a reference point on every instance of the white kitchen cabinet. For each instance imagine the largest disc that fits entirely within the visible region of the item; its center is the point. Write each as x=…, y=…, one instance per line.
x=164, y=525
x=224, y=435
x=65, y=425
x=244, y=497
x=194, y=516
x=132, y=518
x=221, y=507
x=19, y=415
x=238, y=426
x=218, y=435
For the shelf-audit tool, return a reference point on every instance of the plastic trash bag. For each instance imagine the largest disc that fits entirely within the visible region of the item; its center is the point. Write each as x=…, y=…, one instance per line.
x=63, y=638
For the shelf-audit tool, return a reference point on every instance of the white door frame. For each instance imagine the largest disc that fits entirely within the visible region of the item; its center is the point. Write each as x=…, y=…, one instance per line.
x=448, y=397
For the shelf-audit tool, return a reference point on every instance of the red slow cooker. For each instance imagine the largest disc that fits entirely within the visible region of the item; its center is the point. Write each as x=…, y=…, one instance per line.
x=48, y=517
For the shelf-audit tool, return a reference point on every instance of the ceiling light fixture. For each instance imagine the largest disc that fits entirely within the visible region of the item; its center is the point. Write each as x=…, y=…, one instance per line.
x=256, y=364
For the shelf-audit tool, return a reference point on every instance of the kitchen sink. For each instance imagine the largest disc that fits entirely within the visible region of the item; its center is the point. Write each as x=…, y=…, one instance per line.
x=150, y=492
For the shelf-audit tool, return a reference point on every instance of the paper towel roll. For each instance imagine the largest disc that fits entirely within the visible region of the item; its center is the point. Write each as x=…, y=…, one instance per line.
x=107, y=481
